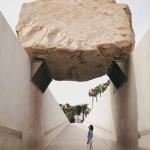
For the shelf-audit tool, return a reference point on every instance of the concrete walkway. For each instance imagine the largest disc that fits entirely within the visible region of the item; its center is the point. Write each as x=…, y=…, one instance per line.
x=74, y=137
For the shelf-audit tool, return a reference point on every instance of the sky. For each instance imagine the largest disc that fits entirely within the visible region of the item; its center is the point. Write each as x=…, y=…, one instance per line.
x=77, y=92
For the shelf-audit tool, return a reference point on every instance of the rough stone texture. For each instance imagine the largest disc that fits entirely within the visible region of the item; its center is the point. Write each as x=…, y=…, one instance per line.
x=77, y=38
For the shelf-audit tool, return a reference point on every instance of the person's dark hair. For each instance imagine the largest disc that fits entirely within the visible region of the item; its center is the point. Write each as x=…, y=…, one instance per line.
x=91, y=127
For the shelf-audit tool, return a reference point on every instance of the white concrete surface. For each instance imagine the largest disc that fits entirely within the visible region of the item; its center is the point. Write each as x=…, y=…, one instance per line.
x=128, y=108
x=29, y=120
x=142, y=78
x=101, y=116
x=74, y=137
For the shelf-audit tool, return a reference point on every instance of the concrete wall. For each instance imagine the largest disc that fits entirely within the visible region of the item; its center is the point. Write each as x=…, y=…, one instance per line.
x=101, y=116
x=29, y=120
x=142, y=76
x=129, y=112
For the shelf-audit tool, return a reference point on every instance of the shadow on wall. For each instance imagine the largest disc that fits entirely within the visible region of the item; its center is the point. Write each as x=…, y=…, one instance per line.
x=129, y=104
x=29, y=120
x=124, y=110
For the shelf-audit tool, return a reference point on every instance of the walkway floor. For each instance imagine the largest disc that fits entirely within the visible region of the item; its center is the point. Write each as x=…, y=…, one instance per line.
x=74, y=138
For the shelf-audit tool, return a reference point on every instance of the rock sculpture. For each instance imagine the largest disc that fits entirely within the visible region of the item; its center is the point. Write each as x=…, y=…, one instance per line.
x=78, y=38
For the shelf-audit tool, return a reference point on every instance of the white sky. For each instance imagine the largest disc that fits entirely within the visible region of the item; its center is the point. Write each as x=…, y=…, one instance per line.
x=77, y=92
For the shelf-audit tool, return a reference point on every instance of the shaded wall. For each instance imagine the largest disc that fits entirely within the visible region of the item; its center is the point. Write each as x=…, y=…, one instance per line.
x=142, y=76
x=29, y=120
x=124, y=111
x=101, y=116
x=130, y=105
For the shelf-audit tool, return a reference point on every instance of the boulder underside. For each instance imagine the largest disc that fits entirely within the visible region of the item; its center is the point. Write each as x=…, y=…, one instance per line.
x=78, y=38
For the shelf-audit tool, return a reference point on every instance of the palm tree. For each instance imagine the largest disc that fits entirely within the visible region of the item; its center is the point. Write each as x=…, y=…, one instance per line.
x=98, y=90
x=91, y=94
x=85, y=110
x=78, y=109
x=71, y=111
x=67, y=105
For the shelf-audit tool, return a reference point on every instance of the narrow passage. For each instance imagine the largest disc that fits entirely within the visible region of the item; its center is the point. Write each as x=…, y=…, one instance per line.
x=74, y=138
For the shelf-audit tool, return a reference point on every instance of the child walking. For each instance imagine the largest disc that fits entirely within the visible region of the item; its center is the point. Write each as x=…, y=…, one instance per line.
x=90, y=138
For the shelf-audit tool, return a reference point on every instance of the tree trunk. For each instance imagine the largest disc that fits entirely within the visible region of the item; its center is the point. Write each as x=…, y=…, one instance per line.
x=100, y=94
x=83, y=115
x=92, y=101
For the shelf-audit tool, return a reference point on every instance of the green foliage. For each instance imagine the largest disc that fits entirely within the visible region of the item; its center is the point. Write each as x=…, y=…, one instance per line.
x=99, y=89
x=71, y=111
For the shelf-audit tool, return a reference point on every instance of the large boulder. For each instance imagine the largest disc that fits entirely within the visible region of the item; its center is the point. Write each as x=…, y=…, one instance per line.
x=78, y=38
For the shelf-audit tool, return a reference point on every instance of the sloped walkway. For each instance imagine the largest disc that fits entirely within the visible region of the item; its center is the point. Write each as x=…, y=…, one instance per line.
x=74, y=138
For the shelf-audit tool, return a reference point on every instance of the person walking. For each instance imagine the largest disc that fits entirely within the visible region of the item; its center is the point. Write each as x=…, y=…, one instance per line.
x=90, y=138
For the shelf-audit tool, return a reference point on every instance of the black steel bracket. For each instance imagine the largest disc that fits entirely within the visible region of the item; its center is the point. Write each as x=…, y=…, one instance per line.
x=40, y=74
